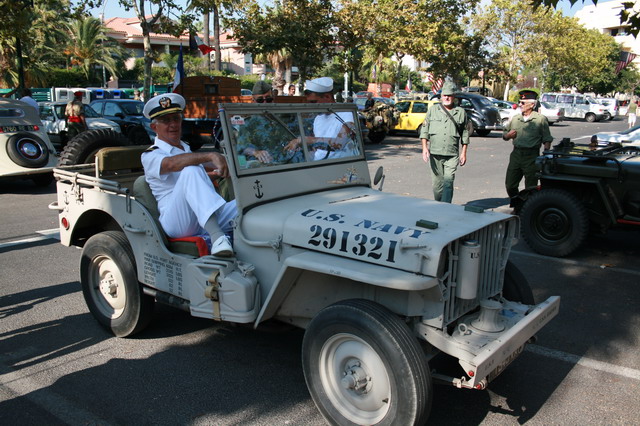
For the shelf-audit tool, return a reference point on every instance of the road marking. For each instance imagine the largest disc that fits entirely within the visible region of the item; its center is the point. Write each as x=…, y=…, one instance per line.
x=618, y=370
x=45, y=234
x=575, y=262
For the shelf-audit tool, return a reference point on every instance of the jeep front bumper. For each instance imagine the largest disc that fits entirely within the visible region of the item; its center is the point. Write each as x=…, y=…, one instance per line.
x=485, y=354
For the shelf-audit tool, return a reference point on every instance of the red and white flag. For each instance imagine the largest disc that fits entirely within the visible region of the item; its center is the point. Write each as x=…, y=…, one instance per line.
x=625, y=59
x=436, y=84
x=200, y=45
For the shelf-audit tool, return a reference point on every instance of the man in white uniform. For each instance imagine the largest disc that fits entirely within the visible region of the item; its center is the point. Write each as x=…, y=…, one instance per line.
x=336, y=129
x=181, y=180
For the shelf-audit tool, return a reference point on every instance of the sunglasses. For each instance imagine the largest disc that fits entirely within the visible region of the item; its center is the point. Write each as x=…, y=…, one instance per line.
x=267, y=99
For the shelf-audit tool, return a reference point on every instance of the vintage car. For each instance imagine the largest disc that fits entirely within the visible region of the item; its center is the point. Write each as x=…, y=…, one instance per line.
x=380, y=282
x=28, y=152
x=582, y=187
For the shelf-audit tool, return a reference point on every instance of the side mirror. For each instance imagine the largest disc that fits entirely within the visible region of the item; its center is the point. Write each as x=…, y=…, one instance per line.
x=379, y=178
x=119, y=114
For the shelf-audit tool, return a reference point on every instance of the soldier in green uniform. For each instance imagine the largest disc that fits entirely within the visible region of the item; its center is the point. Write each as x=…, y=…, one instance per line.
x=528, y=131
x=443, y=131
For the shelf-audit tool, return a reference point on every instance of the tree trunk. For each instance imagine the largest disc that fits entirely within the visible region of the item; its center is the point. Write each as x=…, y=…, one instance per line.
x=205, y=32
x=148, y=61
x=216, y=38
x=400, y=56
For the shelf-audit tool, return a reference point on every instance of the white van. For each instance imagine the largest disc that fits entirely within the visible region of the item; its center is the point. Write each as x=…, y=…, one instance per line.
x=577, y=106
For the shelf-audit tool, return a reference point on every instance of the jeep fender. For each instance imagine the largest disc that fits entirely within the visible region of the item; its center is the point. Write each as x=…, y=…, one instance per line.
x=611, y=208
x=345, y=269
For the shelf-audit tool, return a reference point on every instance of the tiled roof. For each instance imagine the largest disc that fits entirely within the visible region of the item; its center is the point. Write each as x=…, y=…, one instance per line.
x=129, y=28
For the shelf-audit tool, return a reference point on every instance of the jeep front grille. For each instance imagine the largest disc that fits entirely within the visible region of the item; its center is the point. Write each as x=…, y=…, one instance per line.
x=495, y=243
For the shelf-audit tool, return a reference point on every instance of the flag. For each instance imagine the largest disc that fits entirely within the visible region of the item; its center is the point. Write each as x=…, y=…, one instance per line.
x=408, y=87
x=435, y=84
x=177, y=79
x=625, y=59
x=196, y=42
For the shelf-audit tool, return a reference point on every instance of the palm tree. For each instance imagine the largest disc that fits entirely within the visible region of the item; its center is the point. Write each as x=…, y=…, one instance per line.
x=38, y=28
x=90, y=46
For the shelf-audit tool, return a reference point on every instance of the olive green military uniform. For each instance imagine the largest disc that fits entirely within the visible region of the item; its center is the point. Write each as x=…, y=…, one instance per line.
x=526, y=148
x=444, y=145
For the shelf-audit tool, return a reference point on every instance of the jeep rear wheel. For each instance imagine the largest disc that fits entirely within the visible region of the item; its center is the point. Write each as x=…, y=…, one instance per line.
x=364, y=366
x=110, y=286
x=27, y=150
x=483, y=132
x=83, y=148
x=554, y=222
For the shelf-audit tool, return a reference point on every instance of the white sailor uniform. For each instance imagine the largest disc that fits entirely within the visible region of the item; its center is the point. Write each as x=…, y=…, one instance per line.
x=186, y=199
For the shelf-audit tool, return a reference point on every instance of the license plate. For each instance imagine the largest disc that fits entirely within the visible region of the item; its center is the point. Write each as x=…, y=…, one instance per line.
x=504, y=364
x=13, y=129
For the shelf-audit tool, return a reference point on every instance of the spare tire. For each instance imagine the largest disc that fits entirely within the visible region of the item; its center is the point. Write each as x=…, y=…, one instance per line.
x=83, y=148
x=27, y=150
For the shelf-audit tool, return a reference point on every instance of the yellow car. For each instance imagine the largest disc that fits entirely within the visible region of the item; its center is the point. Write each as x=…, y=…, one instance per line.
x=411, y=114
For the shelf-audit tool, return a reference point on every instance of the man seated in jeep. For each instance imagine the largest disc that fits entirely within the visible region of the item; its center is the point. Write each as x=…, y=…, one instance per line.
x=181, y=180
x=333, y=133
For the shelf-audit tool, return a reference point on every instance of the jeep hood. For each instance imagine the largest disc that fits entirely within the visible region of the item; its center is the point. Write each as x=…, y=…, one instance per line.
x=371, y=226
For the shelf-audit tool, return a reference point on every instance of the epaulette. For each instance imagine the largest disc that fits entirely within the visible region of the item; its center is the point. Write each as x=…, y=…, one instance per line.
x=151, y=148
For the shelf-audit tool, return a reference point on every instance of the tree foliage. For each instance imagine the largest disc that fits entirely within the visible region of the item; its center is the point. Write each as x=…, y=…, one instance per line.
x=295, y=31
x=89, y=46
x=630, y=15
x=37, y=25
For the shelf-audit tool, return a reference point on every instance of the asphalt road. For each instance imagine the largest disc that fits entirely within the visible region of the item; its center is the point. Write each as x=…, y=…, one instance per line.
x=57, y=366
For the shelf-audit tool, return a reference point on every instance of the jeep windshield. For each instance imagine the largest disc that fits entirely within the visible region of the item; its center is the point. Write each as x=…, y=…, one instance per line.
x=268, y=138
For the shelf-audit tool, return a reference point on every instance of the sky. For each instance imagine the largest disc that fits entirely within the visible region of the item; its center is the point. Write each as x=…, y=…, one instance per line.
x=113, y=9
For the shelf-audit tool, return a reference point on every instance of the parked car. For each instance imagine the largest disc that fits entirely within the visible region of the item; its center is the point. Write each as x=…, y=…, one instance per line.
x=410, y=115
x=553, y=113
x=629, y=137
x=577, y=106
x=362, y=94
x=128, y=114
x=611, y=107
x=506, y=109
x=246, y=92
x=27, y=151
x=482, y=114
x=55, y=122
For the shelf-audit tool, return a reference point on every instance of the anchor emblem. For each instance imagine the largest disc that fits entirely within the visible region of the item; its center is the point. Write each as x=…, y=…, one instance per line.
x=257, y=187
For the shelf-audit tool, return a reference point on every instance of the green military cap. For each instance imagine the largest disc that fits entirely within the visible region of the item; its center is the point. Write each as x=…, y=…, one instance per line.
x=261, y=88
x=448, y=89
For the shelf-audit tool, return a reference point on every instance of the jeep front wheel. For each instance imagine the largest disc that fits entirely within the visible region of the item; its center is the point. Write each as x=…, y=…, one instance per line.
x=110, y=286
x=554, y=222
x=364, y=366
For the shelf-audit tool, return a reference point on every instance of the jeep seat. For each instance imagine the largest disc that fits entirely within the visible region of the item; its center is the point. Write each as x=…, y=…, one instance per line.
x=192, y=246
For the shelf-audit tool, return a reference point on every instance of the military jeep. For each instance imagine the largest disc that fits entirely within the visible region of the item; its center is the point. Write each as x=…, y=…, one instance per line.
x=582, y=188
x=382, y=284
